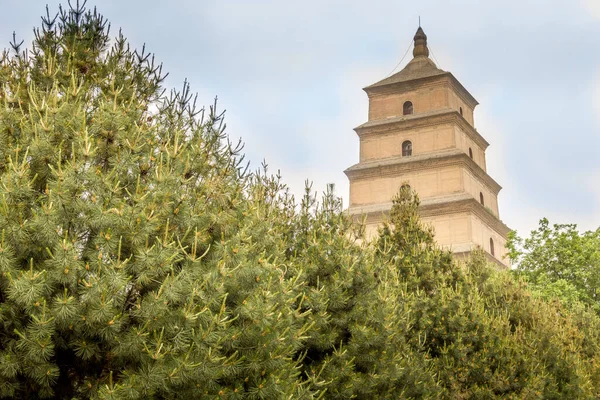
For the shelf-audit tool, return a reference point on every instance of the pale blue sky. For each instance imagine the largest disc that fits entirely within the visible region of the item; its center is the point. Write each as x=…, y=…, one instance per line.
x=290, y=76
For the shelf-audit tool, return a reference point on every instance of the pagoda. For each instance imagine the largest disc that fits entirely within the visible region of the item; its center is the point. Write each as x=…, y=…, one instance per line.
x=420, y=131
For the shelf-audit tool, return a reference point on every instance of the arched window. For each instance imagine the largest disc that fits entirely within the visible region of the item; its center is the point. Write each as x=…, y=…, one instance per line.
x=460, y=109
x=481, y=199
x=406, y=148
x=492, y=246
x=407, y=108
x=470, y=153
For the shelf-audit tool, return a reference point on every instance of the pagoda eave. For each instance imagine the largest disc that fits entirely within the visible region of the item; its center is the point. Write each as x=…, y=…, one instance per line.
x=407, y=85
x=432, y=118
x=376, y=213
x=395, y=166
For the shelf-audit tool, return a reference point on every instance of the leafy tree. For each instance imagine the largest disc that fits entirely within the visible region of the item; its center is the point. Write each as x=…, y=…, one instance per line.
x=560, y=262
x=480, y=332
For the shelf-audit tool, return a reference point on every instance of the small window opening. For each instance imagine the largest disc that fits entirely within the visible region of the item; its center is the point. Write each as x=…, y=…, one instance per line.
x=407, y=108
x=492, y=246
x=481, y=199
x=406, y=148
x=460, y=109
x=470, y=153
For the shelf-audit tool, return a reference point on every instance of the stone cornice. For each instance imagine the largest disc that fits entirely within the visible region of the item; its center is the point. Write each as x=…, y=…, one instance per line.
x=406, y=86
x=395, y=166
x=407, y=122
x=468, y=205
x=466, y=254
x=462, y=92
x=413, y=84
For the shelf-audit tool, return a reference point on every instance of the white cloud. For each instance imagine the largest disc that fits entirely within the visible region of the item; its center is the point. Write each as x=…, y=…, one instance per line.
x=592, y=7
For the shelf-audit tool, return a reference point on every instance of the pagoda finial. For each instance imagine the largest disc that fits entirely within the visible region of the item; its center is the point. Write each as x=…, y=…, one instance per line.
x=420, y=44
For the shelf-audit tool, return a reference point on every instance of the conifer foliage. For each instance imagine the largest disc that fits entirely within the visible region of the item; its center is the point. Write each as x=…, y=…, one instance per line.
x=139, y=259
x=132, y=264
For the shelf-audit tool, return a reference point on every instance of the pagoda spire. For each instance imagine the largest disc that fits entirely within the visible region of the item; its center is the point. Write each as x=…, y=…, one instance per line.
x=420, y=48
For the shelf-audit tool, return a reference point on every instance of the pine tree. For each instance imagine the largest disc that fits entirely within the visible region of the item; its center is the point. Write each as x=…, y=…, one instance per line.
x=357, y=347
x=131, y=264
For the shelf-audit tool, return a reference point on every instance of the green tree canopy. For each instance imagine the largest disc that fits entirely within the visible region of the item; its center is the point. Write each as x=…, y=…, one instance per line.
x=560, y=262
